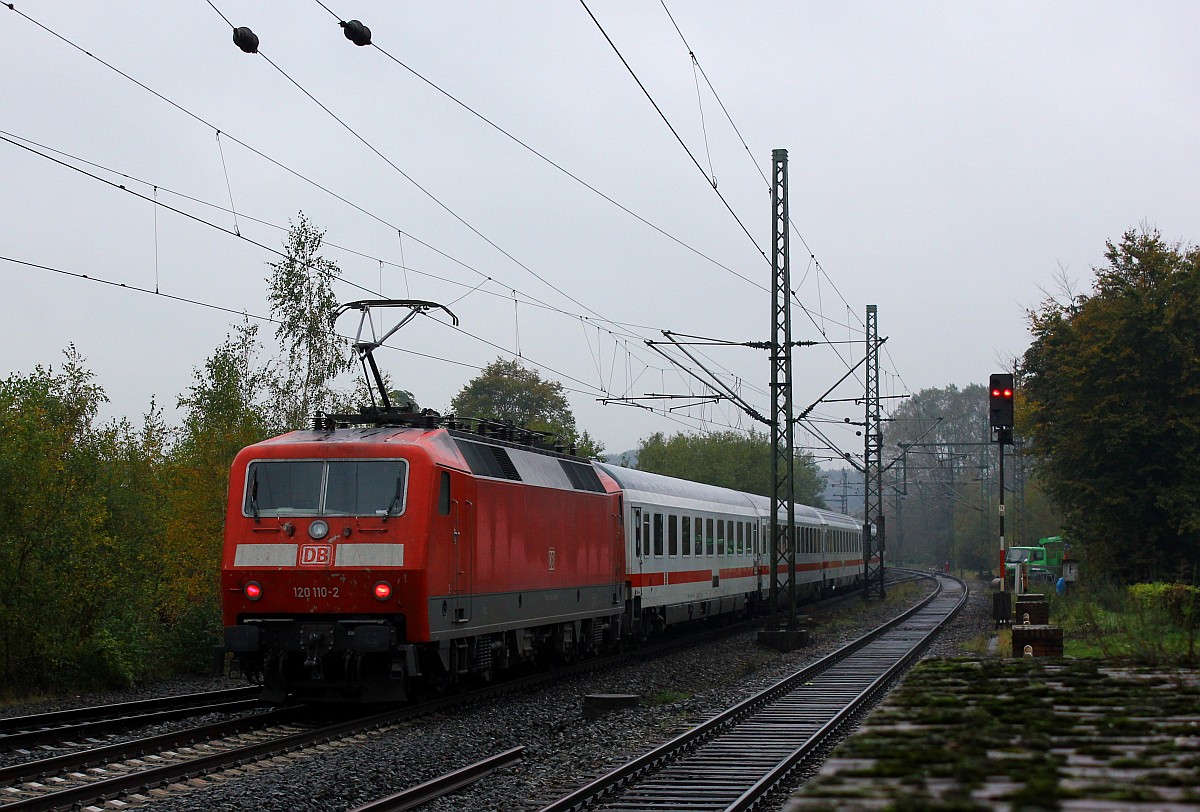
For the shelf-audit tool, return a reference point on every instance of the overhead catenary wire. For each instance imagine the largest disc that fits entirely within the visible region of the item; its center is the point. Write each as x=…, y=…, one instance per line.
x=392, y=164
x=814, y=262
x=478, y=287
x=257, y=244
x=271, y=320
x=257, y=152
x=527, y=299
x=671, y=127
x=555, y=164
x=218, y=131
x=493, y=345
x=434, y=198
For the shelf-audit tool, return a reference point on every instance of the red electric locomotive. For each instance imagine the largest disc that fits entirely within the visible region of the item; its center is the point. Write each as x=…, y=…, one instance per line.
x=359, y=558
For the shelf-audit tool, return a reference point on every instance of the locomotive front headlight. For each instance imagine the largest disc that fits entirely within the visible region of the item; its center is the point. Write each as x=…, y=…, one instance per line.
x=252, y=590
x=318, y=529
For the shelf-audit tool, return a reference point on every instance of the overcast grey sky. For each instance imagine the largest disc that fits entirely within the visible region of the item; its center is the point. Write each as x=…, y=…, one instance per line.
x=946, y=160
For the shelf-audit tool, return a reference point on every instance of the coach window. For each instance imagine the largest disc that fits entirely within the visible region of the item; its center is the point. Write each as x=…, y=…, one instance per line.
x=637, y=532
x=729, y=535
x=741, y=539
x=757, y=550
x=699, y=525
x=720, y=537
x=658, y=535
x=685, y=530
x=710, y=539
x=673, y=535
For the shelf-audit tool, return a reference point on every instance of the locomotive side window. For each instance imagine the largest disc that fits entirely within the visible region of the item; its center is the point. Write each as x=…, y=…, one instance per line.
x=685, y=530
x=658, y=535
x=444, y=495
x=325, y=488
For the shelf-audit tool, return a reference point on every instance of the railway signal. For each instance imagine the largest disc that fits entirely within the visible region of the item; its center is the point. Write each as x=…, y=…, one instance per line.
x=1000, y=407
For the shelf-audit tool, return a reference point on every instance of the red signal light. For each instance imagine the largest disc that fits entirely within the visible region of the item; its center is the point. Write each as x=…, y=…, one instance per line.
x=252, y=590
x=383, y=590
x=1000, y=408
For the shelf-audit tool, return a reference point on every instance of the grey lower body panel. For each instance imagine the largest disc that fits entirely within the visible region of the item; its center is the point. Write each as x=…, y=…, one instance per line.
x=453, y=616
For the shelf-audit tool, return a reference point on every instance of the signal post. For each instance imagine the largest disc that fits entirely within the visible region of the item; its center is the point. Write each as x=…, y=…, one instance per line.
x=1001, y=419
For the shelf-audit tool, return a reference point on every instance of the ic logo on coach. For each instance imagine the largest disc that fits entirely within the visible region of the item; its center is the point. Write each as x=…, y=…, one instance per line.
x=315, y=555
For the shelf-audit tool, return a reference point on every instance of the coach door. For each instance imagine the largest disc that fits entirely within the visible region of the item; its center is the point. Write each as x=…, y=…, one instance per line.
x=761, y=533
x=640, y=541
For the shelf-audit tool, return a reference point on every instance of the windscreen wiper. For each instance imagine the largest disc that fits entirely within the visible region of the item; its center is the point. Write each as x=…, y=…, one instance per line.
x=254, y=496
x=399, y=493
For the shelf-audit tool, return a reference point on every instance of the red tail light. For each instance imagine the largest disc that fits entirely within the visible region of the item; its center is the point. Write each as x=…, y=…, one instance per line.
x=383, y=590
x=253, y=590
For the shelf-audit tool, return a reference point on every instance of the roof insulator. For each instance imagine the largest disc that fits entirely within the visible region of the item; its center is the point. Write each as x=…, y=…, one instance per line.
x=245, y=39
x=356, y=32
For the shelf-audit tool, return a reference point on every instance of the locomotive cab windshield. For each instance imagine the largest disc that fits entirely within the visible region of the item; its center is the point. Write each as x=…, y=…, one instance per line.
x=325, y=488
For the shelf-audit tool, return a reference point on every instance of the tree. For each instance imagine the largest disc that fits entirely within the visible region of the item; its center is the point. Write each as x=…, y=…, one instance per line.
x=941, y=487
x=1111, y=384
x=301, y=297
x=222, y=413
x=508, y=392
x=72, y=600
x=943, y=472
x=728, y=459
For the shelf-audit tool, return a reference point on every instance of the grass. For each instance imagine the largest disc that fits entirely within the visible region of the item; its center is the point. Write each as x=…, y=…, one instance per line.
x=1112, y=621
x=667, y=697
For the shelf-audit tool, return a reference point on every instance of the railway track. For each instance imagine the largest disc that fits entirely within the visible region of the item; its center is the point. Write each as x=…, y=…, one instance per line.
x=131, y=770
x=734, y=760
x=25, y=731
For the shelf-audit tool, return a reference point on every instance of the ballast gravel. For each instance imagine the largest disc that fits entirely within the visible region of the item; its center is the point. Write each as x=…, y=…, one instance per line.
x=563, y=748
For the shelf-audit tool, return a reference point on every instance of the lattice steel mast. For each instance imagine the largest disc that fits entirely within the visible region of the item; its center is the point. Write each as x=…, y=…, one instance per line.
x=783, y=550
x=873, y=526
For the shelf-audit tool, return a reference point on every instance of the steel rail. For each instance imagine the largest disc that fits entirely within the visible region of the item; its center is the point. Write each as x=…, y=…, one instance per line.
x=12, y=725
x=108, y=788
x=25, y=738
x=108, y=754
x=735, y=757
x=443, y=785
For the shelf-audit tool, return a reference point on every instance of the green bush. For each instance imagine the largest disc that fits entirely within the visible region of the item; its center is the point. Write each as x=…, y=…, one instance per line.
x=1151, y=623
x=1178, y=603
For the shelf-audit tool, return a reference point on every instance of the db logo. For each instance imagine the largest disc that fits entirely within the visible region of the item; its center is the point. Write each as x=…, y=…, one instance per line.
x=316, y=555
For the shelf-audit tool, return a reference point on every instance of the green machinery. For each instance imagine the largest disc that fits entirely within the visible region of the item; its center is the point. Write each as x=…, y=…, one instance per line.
x=1040, y=564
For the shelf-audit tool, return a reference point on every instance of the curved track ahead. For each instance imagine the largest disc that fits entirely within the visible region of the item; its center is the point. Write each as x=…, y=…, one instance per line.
x=732, y=761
